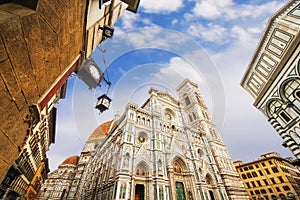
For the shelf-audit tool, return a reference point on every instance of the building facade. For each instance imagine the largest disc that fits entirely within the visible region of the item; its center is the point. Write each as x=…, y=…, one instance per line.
x=29, y=90
x=273, y=75
x=58, y=183
x=65, y=182
x=73, y=28
x=165, y=149
x=270, y=177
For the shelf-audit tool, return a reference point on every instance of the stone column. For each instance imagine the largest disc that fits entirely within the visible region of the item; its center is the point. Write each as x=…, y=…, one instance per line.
x=171, y=181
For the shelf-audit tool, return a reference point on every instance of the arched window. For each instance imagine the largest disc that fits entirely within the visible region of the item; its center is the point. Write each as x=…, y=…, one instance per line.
x=274, y=106
x=297, y=94
x=138, y=119
x=200, y=153
x=191, y=119
x=187, y=100
x=194, y=115
x=200, y=170
x=290, y=87
x=159, y=164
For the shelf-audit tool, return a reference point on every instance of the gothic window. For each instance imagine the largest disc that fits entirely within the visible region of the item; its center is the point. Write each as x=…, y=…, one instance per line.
x=129, y=137
x=191, y=119
x=187, y=100
x=200, y=153
x=138, y=119
x=194, y=115
x=200, y=170
x=130, y=127
x=204, y=114
x=159, y=164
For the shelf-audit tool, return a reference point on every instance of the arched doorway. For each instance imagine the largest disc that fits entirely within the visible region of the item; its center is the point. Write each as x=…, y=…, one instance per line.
x=180, y=181
x=139, y=192
x=180, y=194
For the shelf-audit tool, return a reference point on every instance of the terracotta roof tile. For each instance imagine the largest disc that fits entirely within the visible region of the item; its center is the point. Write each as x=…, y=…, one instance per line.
x=104, y=128
x=73, y=160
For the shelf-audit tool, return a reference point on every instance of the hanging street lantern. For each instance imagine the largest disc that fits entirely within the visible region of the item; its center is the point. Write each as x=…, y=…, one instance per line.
x=103, y=103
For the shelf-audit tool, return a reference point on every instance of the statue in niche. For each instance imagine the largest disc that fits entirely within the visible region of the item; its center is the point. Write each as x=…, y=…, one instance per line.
x=126, y=160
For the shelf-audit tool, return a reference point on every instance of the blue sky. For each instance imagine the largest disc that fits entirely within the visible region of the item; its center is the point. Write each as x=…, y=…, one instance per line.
x=209, y=41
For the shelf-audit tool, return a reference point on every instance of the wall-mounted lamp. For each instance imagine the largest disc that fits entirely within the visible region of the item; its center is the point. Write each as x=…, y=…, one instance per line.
x=108, y=31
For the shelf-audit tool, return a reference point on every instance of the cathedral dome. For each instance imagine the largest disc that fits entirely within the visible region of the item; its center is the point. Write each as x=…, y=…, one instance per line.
x=73, y=160
x=104, y=128
x=98, y=136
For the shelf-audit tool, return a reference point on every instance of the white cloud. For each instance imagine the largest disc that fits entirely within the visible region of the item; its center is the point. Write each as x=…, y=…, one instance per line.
x=163, y=6
x=174, y=21
x=128, y=20
x=153, y=37
x=241, y=129
x=131, y=21
x=228, y=10
x=178, y=67
x=211, y=9
x=211, y=33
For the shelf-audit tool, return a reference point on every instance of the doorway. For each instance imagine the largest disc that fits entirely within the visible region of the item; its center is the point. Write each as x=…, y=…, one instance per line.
x=211, y=194
x=139, y=192
x=180, y=194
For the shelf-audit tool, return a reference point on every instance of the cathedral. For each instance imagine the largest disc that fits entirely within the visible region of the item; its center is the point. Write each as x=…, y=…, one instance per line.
x=167, y=149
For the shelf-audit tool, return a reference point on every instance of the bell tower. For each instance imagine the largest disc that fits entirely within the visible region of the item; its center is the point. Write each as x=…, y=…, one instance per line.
x=193, y=104
x=198, y=118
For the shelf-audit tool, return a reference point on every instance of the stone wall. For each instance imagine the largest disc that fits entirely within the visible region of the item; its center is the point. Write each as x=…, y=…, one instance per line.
x=36, y=46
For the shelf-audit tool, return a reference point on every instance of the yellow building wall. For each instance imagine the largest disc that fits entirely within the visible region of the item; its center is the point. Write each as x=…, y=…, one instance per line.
x=267, y=177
